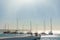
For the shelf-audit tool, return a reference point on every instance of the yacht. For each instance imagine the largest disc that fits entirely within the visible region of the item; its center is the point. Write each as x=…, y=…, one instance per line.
x=7, y=35
x=50, y=34
x=30, y=31
x=6, y=30
x=44, y=28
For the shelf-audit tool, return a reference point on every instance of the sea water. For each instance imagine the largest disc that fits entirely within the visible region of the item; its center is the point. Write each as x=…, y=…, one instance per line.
x=42, y=38
x=50, y=38
x=19, y=37
x=7, y=35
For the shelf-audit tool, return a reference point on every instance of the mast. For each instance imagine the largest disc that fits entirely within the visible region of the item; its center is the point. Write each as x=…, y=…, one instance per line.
x=44, y=29
x=30, y=26
x=51, y=24
x=8, y=26
x=17, y=25
x=6, y=30
x=50, y=33
x=5, y=27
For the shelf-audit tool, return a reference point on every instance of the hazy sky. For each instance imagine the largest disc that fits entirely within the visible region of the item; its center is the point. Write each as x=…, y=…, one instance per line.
x=25, y=10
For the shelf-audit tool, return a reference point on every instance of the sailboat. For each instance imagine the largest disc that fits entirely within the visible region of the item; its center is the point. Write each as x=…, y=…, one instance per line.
x=30, y=32
x=17, y=36
x=15, y=32
x=51, y=33
x=44, y=28
x=6, y=30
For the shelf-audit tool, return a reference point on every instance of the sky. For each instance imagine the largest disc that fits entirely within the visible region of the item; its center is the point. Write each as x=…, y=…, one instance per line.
x=36, y=11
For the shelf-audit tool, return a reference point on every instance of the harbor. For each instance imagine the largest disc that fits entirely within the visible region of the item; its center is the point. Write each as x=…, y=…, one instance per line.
x=29, y=19
x=29, y=35
x=8, y=35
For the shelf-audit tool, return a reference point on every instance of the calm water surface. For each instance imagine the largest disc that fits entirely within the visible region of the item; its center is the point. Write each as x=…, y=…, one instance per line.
x=50, y=38
x=43, y=38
